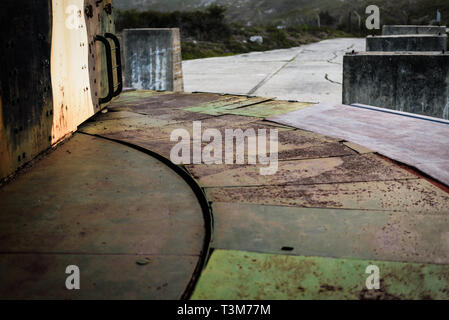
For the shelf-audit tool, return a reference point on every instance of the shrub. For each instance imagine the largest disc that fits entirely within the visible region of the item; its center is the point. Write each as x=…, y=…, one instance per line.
x=207, y=25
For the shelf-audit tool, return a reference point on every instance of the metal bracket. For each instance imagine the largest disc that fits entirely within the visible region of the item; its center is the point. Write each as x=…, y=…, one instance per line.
x=109, y=67
x=118, y=60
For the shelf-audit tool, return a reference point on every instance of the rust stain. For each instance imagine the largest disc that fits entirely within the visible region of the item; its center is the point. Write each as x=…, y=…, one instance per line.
x=353, y=168
x=417, y=173
x=146, y=105
x=416, y=195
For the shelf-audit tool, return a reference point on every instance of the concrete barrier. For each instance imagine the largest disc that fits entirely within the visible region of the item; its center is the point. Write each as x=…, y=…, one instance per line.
x=153, y=59
x=412, y=29
x=407, y=43
x=403, y=81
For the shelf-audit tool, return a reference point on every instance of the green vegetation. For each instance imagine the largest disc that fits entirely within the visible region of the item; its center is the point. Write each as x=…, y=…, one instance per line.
x=215, y=31
x=203, y=25
x=293, y=12
x=206, y=33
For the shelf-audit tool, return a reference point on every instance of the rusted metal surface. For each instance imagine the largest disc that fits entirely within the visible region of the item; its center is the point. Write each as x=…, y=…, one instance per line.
x=146, y=101
x=358, y=148
x=137, y=96
x=225, y=105
x=93, y=197
x=436, y=169
x=360, y=234
x=269, y=109
x=275, y=125
x=413, y=196
x=112, y=277
x=234, y=275
x=289, y=152
x=99, y=205
x=299, y=144
x=153, y=132
x=26, y=105
x=116, y=115
x=358, y=168
x=149, y=128
x=171, y=115
x=330, y=198
x=228, y=109
x=132, y=125
x=419, y=143
x=157, y=117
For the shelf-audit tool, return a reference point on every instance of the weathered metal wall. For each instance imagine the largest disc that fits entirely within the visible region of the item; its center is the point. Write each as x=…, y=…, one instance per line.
x=78, y=65
x=26, y=96
x=53, y=73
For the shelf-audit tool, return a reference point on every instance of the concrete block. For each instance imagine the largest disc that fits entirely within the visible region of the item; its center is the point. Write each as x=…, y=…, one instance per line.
x=407, y=43
x=410, y=82
x=412, y=29
x=153, y=59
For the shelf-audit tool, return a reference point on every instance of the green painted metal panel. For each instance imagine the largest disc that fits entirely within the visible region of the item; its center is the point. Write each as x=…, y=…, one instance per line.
x=270, y=109
x=364, y=234
x=137, y=95
x=243, y=275
x=224, y=106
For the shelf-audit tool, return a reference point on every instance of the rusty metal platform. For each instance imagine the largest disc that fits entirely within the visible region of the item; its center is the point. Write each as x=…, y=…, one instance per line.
x=418, y=141
x=330, y=198
x=103, y=207
x=306, y=232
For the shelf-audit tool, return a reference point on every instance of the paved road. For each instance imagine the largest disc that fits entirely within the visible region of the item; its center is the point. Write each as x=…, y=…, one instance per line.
x=310, y=73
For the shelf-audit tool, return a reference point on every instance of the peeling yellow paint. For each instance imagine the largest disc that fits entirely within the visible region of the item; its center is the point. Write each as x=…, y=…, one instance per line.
x=72, y=94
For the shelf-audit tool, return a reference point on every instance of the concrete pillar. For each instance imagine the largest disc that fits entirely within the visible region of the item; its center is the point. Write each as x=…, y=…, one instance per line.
x=415, y=42
x=403, y=81
x=153, y=59
x=411, y=29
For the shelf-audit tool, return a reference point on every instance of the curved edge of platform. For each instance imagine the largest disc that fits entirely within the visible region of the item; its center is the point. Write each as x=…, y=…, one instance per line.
x=202, y=199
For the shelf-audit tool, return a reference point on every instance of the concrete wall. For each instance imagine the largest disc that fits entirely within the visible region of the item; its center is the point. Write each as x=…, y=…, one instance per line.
x=407, y=43
x=410, y=29
x=416, y=83
x=153, y=59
